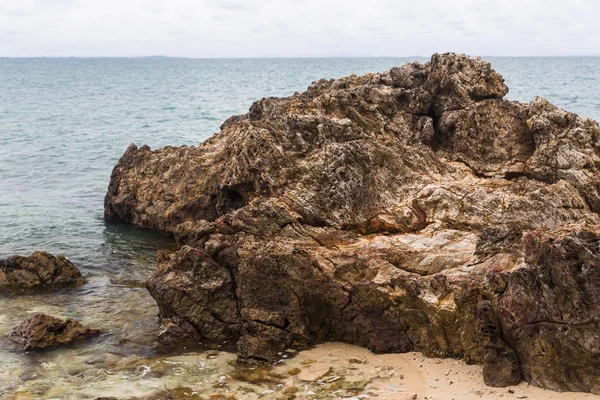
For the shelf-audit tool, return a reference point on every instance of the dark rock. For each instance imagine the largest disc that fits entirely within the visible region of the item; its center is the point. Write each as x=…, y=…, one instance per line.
x=500, y=364
x=191, y=286
x=551, y=310
x=176, y=330
x=40, y=271
x=41, y=331
x=409, y=210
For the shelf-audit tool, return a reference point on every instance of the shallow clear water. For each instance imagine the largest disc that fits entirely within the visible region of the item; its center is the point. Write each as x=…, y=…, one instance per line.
x=65, y=122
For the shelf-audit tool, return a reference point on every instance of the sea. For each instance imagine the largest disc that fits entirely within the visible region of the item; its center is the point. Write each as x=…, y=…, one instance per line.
x=65, y=122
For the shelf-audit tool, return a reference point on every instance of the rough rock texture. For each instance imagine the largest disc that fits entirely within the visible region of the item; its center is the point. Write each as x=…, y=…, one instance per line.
x=40, y=331
x=41, y=270
x=414, y=209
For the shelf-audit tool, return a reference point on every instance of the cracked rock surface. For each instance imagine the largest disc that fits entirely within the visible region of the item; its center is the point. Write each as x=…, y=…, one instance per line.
x=39, y=271
x=410, y=210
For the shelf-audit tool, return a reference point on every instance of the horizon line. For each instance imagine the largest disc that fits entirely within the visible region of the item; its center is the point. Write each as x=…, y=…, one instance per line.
x=283, y=58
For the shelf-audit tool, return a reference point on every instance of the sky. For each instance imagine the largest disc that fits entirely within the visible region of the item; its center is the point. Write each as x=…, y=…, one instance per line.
x=298, y=28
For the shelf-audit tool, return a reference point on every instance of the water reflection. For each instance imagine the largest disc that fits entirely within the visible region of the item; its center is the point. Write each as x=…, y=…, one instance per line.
x=129, y=252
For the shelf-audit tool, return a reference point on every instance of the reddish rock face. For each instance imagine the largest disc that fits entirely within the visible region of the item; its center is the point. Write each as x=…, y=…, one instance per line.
x=40, y=271
x=414, y=209
x=41, y=331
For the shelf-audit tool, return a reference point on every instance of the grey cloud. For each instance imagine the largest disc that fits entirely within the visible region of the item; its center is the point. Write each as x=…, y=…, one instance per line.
x=289, y=28
x=230, y=5
x=18, y=13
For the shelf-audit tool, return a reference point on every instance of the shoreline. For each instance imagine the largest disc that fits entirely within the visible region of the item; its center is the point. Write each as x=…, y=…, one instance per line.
x=427, y=378
x=331, y=370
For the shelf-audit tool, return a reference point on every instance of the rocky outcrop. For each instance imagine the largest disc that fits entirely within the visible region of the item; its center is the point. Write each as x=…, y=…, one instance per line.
x=42, y=331
x=40, y=271
x=414, y=209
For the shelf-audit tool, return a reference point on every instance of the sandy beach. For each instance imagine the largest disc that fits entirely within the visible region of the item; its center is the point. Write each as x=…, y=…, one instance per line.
x=403, y=376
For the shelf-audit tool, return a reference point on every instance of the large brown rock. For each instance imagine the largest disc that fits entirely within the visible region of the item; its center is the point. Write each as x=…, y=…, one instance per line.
x=41, y=331
x=40, y=271
x=414, y=209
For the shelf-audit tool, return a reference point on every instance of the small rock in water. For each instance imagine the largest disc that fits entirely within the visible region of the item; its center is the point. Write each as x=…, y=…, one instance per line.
x=40, y=270
x=40, y=331
x=105, y=360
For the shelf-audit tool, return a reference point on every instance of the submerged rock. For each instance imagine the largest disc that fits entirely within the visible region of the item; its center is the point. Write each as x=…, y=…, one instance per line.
x=41, y=331
x=414, y=209
x=41, y=270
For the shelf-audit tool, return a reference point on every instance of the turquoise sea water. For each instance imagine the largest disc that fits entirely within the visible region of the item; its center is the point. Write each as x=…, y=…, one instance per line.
x=65, y=122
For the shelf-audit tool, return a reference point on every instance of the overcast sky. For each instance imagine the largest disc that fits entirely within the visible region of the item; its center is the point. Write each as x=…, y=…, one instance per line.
x=296, y=28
